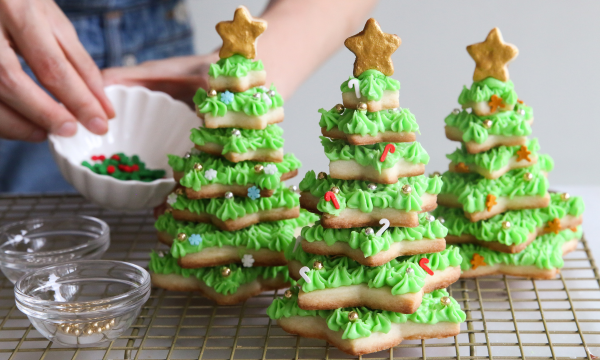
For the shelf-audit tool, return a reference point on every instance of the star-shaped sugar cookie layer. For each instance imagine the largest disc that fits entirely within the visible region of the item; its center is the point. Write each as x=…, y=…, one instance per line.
x=239, y=36
x=373, y=49
x=492, y=57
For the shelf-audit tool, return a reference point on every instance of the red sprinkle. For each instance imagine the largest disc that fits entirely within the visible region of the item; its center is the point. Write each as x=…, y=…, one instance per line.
x=135, y=167
x=422, y=264
x=389, y=147
x=330, y=196
x=116, y=157
x=110, y=169
x=98, y=157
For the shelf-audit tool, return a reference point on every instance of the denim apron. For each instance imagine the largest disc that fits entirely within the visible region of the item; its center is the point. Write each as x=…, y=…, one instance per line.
x=115, y=33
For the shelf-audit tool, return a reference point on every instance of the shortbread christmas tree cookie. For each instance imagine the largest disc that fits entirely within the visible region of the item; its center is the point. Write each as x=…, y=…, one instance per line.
x=353, y=203
x=375, y=250
x=226, y=285
x=375, y=246
x=512, y=231
x=205, y=176
x=231, y=217
x=398, y=285
x=360, y=330
x=542, y=259
x=495, y=201
x=200, y=244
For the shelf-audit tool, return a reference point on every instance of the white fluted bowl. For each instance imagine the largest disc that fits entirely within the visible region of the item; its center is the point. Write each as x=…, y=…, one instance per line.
x=150, y=124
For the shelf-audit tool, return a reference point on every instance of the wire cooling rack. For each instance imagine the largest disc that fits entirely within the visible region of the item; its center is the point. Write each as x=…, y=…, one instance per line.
x=507, y=318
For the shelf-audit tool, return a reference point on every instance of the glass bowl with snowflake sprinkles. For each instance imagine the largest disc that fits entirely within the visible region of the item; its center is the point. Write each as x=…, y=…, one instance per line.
x=34, y=243
x=127, y=168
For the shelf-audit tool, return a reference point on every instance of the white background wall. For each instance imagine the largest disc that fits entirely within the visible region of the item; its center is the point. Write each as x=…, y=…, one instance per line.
x=556, y=73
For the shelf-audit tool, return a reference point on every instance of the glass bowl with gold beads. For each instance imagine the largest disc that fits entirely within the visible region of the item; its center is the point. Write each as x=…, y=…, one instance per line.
x=84, y=302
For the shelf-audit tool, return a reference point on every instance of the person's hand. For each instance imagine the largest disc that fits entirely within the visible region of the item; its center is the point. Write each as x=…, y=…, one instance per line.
x=179, y=77
x=39, y=32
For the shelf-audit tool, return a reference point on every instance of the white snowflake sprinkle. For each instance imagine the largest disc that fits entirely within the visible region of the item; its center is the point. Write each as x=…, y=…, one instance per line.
x=172, y=198
x=247, y=260
x=210, y=174
x=267, y=99
x=270, y=169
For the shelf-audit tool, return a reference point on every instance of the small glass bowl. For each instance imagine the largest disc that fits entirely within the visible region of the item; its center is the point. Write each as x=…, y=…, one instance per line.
x=84, y=302
x=35, y=243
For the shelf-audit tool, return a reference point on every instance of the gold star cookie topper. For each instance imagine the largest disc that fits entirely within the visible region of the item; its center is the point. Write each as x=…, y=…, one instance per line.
x=373, y=49
x=239, y=36
x=492, y=57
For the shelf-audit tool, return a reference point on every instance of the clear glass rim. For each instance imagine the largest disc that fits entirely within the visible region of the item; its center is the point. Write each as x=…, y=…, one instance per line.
x=20, y=256
x=124, y=302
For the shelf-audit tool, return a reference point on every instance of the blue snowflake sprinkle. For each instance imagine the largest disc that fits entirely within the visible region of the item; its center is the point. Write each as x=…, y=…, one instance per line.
x=254, y=193
x=226, y=97
x=195, y=239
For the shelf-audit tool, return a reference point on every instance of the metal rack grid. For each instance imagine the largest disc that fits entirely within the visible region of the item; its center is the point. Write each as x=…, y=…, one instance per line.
x=507, y=318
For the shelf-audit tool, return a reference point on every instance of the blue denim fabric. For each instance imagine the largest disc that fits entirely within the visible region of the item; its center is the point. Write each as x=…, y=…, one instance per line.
x=115, y=33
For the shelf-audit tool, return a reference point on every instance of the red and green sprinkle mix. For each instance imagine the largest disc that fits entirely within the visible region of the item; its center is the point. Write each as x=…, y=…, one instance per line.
x=122, y=167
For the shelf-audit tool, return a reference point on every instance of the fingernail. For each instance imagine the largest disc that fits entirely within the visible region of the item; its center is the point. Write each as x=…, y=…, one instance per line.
x=98, y=126
x=37, y=136
x=67, y=129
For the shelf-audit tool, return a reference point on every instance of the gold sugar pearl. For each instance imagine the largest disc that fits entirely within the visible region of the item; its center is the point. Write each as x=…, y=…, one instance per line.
x=212, y=93
x=407, y=189
x=76, y=332
x=369, y=231
x=352, y=316
x=528, y=176
x=225, y=272
x=487, y=123
x=179, y=191
x=372, y=186
x=197, y=166
x=361, y=106
x=287, y=294
x=506, y=225
x=229, y=195
x=168, y=211
x=335, y=190
x=340, y=108
x=565, y=196
x=435, y=173
x=322, y=175
x=441, y=220
x=181, y=237
x=445, y=300
x=456, y=111
x=294, y=188
x=258, y=168
x=317, y=265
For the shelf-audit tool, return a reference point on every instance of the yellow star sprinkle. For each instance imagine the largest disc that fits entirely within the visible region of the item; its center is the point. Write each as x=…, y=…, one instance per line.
x=492, y=57
x=373, y=49
x=239, y=36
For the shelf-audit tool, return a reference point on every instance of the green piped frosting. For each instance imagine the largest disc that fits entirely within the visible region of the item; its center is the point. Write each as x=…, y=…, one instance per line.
x=229, y=173
x=370, y=155
x=355, y=194
x=357, y=122
x=482, y=91
x=545, y=252
x=211, y=276
x=343, y=271
x=273, y=235
x=234, y=66
x=269, y=138
x=370, y=321
x=242, y=102
x=523, y=222
x=371, y=245
x=506, y=123
x=473, y=189
x=498, y=157
x=237, y=207
x=372, y=84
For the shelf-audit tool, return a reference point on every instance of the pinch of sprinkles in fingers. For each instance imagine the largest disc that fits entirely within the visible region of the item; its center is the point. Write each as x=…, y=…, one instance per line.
x=122, y=167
